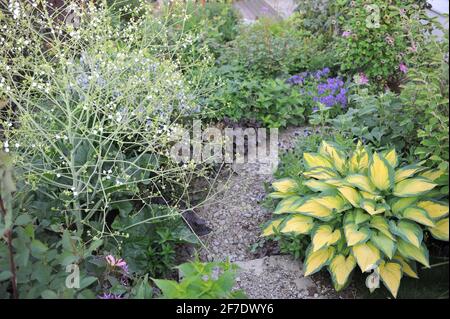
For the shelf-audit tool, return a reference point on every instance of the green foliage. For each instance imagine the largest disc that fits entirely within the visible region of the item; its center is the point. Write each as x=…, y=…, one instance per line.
x=362, y=209
x=378, y=119
x=425, y=99
x=272, y=102
x=214, y=280
x=375, y=41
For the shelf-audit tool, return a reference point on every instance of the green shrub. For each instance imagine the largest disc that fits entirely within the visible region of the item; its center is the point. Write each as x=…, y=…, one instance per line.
x=363, y=209
x=214, y=280
x=380, y=38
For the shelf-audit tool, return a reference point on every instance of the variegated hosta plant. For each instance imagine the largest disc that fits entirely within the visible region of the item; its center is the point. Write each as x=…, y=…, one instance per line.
x=361, y=211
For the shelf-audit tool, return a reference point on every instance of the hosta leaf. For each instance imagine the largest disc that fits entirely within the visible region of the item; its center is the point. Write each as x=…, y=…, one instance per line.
x=351, y=195
x=418, y=215
x=440, y=230
x=285, y=185
x=413, y=187
x=359, y=161
x=360, y=216
x=367, y=195
x=318, y=186
x=355, y=235
x=298, y=224
x=391, y=157
x=380, y=223
x=367, y=256
x=280, y=195
x=408, y=231
x=433, y=174
x=268, y=229
x=391, y=275
x=384, y=243
x=340, y=269
x=408, y=267
x=317, y=160
x=321, y=173
x=380, y=173
x=406, y=172
x=434, y=209
x=400, y=204
x=333, y=201
x=412, y=252
x=362, y=182
x=312, y=208
x=336, y=182
x=315, y=260
x=370, y=207
x=323, y=236
x=336, y=155
x=287, y=205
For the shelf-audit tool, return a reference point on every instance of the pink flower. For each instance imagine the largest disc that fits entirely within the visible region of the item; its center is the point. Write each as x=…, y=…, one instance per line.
x=346, y=34
x=363, y=79
x=403, y=68
x=117, y=263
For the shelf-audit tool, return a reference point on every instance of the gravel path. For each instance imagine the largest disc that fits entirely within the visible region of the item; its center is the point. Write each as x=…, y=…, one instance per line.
x=235, y=217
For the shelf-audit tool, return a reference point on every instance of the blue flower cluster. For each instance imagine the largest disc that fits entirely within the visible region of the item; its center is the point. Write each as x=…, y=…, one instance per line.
x=330, y=91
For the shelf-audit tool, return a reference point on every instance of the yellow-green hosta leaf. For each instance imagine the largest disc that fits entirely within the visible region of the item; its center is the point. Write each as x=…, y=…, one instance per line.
x=371, y=207
x=384, y=243
x=321, y=173
x=340, y=269
x=362, y=182
x=419, y=254
x=337, y=182
x=332, y=201
x=380, y=172
x=380, y=223
x=359, y=161
x=287, y=205
x=360, y=216
x=351, y=195
x=433, y=174
x=312, y=208
x=285, y=185
x=355, y=235
x=298, y=224
x=434, y=209
x=318, y=186
x=367, y=195
x=367, y=256
x=391, y=157
x=280, y=195
x=400, y=204
x=405, y=172
x=408, y=267
x=411, y=187
x=408, y=231
x=391, y=275
x=440, y=230
x=337, y=156
x=271, y=226
x=317, y=160
x=323, y=236
x=418, y=215
x=315, y=260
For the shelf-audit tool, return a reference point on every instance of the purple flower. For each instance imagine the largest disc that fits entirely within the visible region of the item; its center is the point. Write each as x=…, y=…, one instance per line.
x=346, y=34
x=403, y=68
x=117, y=263
x=362, y=79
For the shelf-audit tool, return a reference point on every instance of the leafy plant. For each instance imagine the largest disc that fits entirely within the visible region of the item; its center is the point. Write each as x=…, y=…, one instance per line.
x=379, y=38
x=214, y=280
x=363, y=209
